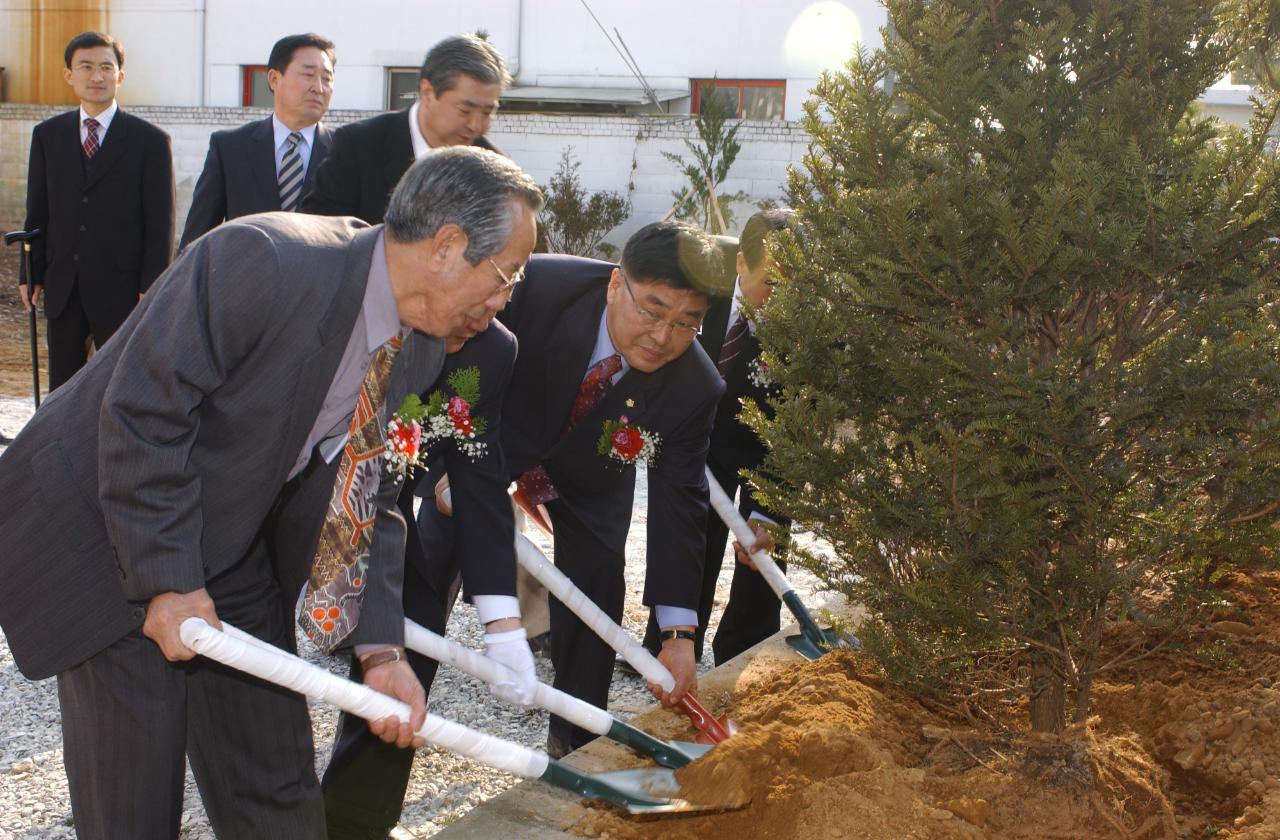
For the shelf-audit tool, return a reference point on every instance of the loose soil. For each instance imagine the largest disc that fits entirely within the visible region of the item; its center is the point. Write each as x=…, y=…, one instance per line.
x=1183, y=744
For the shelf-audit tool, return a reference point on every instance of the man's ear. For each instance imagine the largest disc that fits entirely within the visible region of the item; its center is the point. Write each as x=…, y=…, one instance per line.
x=448, y=245
x=425, y=92
x=273, y=79
x=740, y=262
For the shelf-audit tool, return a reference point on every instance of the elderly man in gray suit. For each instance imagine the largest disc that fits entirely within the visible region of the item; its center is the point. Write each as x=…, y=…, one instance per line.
x=198, y=466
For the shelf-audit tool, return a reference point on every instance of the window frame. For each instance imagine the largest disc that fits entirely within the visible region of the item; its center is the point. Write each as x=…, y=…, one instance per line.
x=696, y=85
x=247, y=72
x=388, y=74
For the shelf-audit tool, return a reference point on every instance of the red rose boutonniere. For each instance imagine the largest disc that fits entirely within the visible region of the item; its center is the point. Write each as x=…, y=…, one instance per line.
x=417, y=425
x=628, y=444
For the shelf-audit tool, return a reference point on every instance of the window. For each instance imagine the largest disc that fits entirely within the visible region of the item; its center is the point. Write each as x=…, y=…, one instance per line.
x=750, y=99
x=402, y=87
x=257, y=93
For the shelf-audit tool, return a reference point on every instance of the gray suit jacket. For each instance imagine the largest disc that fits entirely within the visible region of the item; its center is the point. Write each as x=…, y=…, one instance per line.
x=152, y=469
x=239, y=176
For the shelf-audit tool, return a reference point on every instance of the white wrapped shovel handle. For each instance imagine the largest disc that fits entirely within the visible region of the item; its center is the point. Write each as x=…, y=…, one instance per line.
x=765, y=563
x=243, y=652
x=577, y=712
x=584, y=608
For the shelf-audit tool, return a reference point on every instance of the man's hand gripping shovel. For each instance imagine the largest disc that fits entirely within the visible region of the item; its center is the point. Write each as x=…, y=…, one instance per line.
x=710, y=729
x=635, y=791
x=813, y=640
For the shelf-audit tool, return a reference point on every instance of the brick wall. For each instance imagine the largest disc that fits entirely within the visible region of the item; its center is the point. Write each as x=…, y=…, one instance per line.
x=621, y=153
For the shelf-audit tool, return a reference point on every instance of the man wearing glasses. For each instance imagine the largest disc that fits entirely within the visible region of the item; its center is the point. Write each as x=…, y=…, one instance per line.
x=598, y=343
x=631, y=328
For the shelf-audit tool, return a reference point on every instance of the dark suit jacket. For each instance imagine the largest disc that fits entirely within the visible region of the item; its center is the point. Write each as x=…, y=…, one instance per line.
x=167, y=452
x=364, y=165
x=734, y=445
x=239, y=176
x=479, y=538
x=555, y=314
x=108, y=222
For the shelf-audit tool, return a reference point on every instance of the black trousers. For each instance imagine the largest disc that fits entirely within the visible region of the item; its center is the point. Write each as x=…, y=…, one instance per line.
x=129, y=717
x=66, y=337
x=752, y=612
x=365, y=782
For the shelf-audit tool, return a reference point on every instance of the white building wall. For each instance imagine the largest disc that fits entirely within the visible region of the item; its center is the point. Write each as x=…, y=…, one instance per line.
x=623, y=154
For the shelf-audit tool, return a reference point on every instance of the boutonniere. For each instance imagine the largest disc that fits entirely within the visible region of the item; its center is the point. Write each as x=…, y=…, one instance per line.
x=758, y=373
x=628, y=444
x=417, y=425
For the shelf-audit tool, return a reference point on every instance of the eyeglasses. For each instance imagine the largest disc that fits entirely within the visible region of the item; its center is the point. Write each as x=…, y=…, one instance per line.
x=680, y=328
x=508, y=283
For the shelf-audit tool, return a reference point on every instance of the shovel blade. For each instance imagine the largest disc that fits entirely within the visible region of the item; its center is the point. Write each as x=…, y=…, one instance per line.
x=827, y=641
x=660, y=786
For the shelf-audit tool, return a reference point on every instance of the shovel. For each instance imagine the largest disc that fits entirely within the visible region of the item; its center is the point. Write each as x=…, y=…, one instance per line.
x=813, y=640
x=579, y=712
x=653, y=791
x=710, y=729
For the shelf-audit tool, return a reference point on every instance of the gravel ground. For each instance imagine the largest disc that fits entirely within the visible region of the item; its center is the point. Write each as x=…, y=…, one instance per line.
x=33, y=786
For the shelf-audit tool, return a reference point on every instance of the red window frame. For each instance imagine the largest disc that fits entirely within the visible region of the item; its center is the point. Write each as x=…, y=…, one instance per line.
x=246, y=82
x=741, y=84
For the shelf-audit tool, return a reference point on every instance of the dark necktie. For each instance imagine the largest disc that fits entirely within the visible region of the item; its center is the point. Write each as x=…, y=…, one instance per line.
x=732, y=347
x=290, y=178
x=535, y=483
x=91, y=144
x=331, y=605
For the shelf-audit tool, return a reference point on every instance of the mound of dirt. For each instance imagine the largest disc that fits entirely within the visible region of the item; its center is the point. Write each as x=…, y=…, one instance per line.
x=1184, y=743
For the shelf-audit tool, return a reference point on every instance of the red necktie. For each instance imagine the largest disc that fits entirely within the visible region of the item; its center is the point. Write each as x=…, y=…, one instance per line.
x=733, y=341
x=91, y=144
x=535, y=483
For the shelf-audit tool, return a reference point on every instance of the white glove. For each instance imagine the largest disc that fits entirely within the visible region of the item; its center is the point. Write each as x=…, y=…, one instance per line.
x=512, y=650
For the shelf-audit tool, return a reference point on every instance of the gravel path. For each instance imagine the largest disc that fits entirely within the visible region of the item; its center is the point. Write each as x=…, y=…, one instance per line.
x=33, y=786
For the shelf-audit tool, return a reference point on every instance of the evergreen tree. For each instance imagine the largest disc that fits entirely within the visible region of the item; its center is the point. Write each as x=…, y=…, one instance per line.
x=713, y=156
x=1030, y=347
x=575, y=222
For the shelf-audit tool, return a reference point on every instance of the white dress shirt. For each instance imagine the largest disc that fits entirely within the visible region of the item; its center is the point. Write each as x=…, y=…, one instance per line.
x=104, y=122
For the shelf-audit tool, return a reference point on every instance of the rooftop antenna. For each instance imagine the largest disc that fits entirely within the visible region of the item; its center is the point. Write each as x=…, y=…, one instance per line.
x=627, y=58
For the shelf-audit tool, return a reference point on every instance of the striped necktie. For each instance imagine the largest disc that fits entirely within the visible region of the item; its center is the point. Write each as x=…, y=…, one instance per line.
x=290, y=178
x=732, y=347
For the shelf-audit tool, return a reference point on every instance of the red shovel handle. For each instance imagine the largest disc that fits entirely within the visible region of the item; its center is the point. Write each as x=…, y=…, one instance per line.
x=713, y=730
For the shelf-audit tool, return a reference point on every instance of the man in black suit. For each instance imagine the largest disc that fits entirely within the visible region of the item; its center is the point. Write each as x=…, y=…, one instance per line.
x=728, y=336
x=270, y=164
x=365, y=781
x=459, y=87
x=100, y=187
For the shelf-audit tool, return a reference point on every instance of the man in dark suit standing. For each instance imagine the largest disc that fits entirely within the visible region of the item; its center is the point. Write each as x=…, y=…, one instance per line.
x=100, y=187
x=270, y=164
x=728, y=336
x=213, y=460
x=461, y=81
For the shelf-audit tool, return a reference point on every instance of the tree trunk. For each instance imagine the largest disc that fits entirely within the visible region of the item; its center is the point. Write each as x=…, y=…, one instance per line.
x=1048, y=693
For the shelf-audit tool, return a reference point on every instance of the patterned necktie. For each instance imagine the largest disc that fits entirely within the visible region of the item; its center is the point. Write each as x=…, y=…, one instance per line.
x=290, y=178
x=331, y=605
x=732, y=347
x=91, y=144
x=535, y=483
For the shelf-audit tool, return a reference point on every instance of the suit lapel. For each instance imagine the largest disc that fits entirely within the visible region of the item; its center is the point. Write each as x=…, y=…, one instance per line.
x=262, y=162
x=570, y=353
x=69, y=149
x=399, y=150
x=318, y=152
x=321, y=352
x=113, y=148
x=714, y=327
